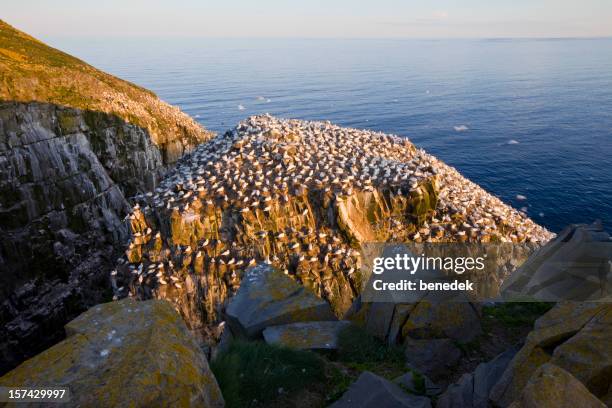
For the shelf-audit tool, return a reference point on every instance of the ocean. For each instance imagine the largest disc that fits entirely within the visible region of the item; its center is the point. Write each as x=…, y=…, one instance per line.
x=530, y=120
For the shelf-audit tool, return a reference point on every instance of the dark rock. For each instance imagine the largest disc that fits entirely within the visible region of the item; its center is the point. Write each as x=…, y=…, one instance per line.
x=224, y=342
x=372, y=391
x=63, y=199
x=432, y=357
x=267, y=297
x=409, y=382
x=400, y=315
x=454, y=320
x=379, y=318
x=306, y=335
x=472, y=390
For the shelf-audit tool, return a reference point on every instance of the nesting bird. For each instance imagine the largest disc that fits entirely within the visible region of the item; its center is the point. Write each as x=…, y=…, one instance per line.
x=266, y=192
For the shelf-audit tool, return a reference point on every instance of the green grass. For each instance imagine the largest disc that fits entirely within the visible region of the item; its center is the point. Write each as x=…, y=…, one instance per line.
x=419, y=383
x=255, y=372
x=516, y=314
x=338, y=382
x=252, y=373
x=359, y=350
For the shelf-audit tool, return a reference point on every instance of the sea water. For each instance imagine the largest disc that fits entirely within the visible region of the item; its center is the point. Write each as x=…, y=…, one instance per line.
x=530, y=120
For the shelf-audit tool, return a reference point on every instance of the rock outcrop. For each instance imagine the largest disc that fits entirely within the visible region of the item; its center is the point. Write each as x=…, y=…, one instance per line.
x=303, y=196
x=127, y=353
x=458, y=321
x=267, y=298
x=75, y=145
x=473, y=389
x=64, y=178
x=573, y=336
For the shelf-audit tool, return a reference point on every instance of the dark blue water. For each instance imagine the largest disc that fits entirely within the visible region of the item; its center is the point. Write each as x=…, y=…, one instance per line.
x=551, y=98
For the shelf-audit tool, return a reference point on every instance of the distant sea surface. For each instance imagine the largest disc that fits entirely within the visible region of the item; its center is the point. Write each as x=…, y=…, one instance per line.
x=528, y=120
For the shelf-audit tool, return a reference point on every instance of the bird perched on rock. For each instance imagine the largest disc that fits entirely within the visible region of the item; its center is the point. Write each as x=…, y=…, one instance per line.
x=301, y=196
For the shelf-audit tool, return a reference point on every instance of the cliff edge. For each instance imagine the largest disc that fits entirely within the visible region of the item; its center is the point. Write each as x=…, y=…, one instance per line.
x=75, y=145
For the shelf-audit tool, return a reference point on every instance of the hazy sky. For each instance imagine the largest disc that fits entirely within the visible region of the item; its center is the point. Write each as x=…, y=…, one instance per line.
x=311, y=18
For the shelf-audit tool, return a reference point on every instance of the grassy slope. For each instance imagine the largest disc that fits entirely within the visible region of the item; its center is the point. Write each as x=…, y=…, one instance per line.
x=32, y=71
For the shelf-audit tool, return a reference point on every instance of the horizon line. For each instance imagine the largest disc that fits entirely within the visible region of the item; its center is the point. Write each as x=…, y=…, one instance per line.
x=208, y=37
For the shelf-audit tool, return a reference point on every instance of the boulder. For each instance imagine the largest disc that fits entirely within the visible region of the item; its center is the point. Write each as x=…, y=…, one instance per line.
x=472, y=390
x=418, y=384
x=127, y=353
x=372, y=391
x=552, y=386
x=268, y=297
x=379, y=318
x=306, y=335
x=574, y=266
x=400, y=315
x=588, y=354
x=456, y=320
x=432, y=357
x=563, y=324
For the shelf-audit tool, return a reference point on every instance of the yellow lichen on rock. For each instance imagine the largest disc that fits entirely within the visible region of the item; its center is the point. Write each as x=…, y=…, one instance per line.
x=125, y=354
x=575, y=336
x=552, y=386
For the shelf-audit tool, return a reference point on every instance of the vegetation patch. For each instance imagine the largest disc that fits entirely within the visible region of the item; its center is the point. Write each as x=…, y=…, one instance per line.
x=359, y=350
x=516, y=314
x=253, y=373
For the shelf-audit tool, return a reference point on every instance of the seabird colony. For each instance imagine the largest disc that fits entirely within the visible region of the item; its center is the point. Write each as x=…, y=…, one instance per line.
x=269, y=191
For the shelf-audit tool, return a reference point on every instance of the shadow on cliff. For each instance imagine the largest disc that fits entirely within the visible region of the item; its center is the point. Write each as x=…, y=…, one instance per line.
x=65, y=176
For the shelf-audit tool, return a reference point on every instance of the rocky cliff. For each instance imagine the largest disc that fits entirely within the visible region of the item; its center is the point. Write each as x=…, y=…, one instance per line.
x=75, y=145
x=302, y=196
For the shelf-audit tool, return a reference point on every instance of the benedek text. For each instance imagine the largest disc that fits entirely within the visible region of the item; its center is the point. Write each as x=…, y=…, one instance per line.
x=405, y=284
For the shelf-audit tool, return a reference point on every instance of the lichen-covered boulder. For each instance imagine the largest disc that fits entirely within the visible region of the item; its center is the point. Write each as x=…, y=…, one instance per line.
x=372, y=391
x=458, y=321
x=588, y=355
x=552, y=386
x=125, y=354
x=575, y=336
x=268, y=297
x=306, y=335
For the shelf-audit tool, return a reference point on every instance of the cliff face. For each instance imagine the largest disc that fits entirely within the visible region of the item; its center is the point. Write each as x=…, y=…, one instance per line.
x=303, y=196
x=32, y=71
x=75, y=145
x=64, y=178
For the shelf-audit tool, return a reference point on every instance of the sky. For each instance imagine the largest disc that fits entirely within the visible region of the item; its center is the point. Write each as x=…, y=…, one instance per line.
x=311, y=18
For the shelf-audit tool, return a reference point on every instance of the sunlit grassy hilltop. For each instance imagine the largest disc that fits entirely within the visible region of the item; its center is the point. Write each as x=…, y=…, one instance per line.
x=32, y=71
